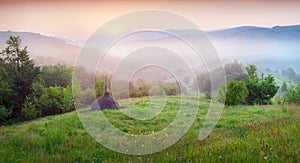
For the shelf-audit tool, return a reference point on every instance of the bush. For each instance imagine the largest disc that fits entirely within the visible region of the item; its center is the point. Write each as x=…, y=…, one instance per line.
x=56, y=75
x=87, y=97
x=293, y=94
x=67, y=100
x=236, y=93
x=55, y=100
x=278, y=99
x=261, y=91
x=4, y=113
x=221, y=97
x=49, y=101
x=29, y=109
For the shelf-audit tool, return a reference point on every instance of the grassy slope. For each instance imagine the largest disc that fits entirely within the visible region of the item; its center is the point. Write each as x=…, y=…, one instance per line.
x=247, y=134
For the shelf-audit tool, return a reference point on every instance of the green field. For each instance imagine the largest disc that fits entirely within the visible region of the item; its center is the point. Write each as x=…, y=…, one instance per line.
x=243, y=134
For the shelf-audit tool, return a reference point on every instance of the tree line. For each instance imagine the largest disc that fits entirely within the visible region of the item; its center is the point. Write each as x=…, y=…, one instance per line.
x=28, y=91
x=257, y=90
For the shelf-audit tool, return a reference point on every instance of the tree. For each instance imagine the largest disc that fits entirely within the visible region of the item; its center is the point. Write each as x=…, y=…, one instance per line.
x=260, y=90
x=293, y=94
x=283, y=87
x=6, y=93
x=20, y=73
x=236, y=93
x=233, y=68
x=267, y=90
x=56, y=75
x=252, y=74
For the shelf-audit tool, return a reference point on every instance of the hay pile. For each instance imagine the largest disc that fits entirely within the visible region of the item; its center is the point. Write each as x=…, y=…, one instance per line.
x=105, y=102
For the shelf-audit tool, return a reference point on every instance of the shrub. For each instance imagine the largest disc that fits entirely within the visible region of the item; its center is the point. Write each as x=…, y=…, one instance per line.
x=221, y=97
x=67, y=100
x=278, y=99
x=293, y=94
x=55, y=100
x=261, y=91
x=29, y=109
x=4, y=113
x=236, y=93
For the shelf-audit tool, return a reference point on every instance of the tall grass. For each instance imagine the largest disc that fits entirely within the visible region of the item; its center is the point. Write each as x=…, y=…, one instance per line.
x=243, y=134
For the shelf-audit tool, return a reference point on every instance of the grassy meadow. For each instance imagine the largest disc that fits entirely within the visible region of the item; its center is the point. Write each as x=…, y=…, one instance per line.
x=243, y=134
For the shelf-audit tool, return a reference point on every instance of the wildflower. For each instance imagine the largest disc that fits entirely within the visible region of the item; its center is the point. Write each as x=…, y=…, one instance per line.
x=152, y=132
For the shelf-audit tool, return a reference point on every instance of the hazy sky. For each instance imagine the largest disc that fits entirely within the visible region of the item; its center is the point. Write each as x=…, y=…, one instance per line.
x=78, y=19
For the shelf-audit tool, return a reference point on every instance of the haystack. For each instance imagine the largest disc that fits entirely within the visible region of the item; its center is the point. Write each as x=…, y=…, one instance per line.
x=105, y=102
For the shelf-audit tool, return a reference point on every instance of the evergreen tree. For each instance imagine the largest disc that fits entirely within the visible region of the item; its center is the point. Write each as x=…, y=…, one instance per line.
x=260, y=90
x=19, y=74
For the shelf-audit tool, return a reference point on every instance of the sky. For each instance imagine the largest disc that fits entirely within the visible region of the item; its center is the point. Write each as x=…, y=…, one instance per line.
x=79, y=19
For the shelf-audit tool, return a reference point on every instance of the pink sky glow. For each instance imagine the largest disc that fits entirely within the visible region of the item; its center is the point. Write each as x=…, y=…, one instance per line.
x=79, y=19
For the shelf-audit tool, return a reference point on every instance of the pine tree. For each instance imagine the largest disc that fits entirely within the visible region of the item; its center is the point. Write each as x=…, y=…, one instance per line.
x=20, y=73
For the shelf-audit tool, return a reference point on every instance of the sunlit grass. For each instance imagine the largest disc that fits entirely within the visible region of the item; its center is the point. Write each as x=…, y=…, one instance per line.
x=243, y=134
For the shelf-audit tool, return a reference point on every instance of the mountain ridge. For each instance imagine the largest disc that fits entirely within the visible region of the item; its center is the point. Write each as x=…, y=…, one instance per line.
x=276, y=47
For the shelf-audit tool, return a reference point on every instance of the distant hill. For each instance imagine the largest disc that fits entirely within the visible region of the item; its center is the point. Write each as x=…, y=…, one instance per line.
x=275, y=48
x=280, y=33
x=47, y=50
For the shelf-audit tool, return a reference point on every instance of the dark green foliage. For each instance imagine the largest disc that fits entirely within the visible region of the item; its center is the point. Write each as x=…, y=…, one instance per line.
x=17, y=75
x=54, y=100
x=293, y=94
x=260, y=90
x=236, y=93
x=251, y=90
x=28, y=92
x=268, y=89
x=29, y=109
x=56, y=75
x=4, y=113
x=252, y=73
